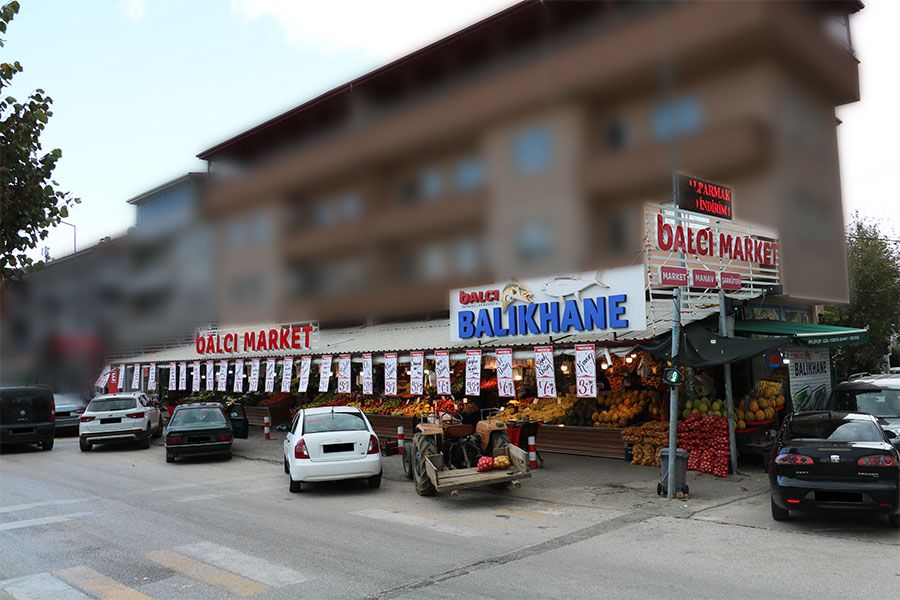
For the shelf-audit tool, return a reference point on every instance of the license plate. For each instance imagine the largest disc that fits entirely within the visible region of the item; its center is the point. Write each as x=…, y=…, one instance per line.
x=338, y=447
x=198, y=439
x=114, y=420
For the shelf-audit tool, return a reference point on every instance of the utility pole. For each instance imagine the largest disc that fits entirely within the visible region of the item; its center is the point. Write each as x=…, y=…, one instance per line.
x=673, y=394
x=725, y=331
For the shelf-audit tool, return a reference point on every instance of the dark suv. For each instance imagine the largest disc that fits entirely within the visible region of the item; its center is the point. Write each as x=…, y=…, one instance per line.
x=27, y=416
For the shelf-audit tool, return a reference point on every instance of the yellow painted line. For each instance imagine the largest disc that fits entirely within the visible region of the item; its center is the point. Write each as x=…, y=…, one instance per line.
x=99, y=585
x=226, y=580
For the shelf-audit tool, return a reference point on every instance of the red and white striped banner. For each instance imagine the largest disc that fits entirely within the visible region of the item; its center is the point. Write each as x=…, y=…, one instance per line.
x=182, y=376
x=545, y=374
x=270, y=375
x=222, y=380
x=238, y=386
x=136, y=378
x=325, y=372
x=210, y=378
x=367, y=374
x=416, y=373
x=390, y=374
x=585, y=371
x=151, y=377
x=506, y=387
x=344, y=374
x=253, y=382
x=173, y=377
x=442, y=372
x=305, y=363
x=287, y=372
x=195, y=376
x=473, y=372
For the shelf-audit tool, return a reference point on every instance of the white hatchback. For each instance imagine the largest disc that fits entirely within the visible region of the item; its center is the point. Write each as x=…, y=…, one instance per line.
x=119, y=417
x=330, y=443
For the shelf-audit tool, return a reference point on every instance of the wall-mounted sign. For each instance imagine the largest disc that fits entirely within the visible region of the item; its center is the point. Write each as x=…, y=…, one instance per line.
x=610, y=300
x=705, y=197
x=442, y=371
x=266, y=339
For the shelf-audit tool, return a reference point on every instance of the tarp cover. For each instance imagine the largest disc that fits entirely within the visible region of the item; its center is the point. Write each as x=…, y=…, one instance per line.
x=699, y=347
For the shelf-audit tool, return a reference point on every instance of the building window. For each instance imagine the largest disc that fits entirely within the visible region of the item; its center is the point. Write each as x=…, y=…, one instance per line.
x=532, y=151
x=468, y=256
x=616, y=135
x=235, y=234
x=351, y=206
x=535, y=242
x=676, y=118
x=469, y=174
x=260, y=227
x=433, y=263
x=323, y=215
x=432, y=185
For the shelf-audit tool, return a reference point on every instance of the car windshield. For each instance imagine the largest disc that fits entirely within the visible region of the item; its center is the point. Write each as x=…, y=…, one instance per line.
x=880, y=403
x=103, y=404
x=199, y=416
x=834, y=430
x=336, y=421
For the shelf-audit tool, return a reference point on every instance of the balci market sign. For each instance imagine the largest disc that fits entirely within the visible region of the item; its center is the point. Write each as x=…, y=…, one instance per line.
x=254, y=340
x=610, y=300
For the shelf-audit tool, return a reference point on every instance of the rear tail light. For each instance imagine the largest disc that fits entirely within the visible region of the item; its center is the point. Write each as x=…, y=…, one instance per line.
x=173, y=440
x=86, y=419
x=300, y=449
x=223, y=437
x=792, y=501
x=793, y=459
x=373, y=445
x=877, y=460
x=53, y=411
x=139, y=415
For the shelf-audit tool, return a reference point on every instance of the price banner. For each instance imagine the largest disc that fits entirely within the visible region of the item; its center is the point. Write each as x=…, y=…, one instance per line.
x=270, y=375
x=325, y=373
x=173, y=378
x=344, y=373
x=305, y=363
x=287, y=371
x=506, y=387
x=390, y=374
x=222, y=379
x=416, y=373
x=136, y=378
x=195, y=376
x=367, y=374
x=238, y=376
x=104, y=377
x=545, y=376
x=151, y=378
x=473, y=372
x=121, y=378
x=182, y=376
x=209, y=376
x=253, y=382
x=585, y=370
x=442, y=372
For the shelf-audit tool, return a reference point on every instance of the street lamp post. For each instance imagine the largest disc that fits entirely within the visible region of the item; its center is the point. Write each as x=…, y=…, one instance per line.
x=74, y=235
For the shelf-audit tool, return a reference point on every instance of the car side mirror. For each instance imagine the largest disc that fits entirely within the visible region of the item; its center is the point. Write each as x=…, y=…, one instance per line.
x=890, y=435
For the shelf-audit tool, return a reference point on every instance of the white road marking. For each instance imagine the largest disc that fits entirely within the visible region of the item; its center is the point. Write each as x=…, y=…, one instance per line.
x=416, y=521
x=243, y=564
x=214, y=495
x=40, y=587
x=41, y=521
x=6, y=509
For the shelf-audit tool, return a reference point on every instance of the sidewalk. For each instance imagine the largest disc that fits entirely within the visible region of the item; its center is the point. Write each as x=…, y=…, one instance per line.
x=578, y=481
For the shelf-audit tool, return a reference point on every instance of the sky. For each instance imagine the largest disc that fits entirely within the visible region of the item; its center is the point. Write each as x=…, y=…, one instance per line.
x=141, y=86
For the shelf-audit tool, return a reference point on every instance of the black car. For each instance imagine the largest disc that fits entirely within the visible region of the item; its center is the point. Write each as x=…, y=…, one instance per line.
x=877, y=395
x=825, y=460
x=27, y=416
x=203, y=429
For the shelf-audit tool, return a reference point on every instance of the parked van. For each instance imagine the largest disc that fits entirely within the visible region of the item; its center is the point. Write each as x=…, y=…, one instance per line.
x=27, y=416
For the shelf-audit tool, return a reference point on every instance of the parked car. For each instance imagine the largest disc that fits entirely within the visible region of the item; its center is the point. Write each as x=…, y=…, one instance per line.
x=825, y=460
x=27, y=416
x=877, y=395
x=69, y=408
x=202, y=429
x=119, y=417
x=329, y=444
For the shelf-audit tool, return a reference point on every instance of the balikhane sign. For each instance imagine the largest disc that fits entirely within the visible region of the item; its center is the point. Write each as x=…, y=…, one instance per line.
x=705, y=197
x=596, y=301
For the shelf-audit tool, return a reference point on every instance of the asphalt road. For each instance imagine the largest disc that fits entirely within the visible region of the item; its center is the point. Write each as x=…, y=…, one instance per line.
x=119, y=522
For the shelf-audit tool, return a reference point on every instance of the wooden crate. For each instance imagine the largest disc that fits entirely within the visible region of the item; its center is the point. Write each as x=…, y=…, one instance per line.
x=385, y=426
x=585, y=441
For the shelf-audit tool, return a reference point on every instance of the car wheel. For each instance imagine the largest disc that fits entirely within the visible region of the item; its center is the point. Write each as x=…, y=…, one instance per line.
x=423, y=446
x=778, y=513
x=47, y=445
x=375, y=482
x=145, y=439
x=159, y=428
x=894, y=521
x=296, y=486
x=84, y=445
x=170, y=458
x=287, y=468
x=227, y=456
x=407, y=459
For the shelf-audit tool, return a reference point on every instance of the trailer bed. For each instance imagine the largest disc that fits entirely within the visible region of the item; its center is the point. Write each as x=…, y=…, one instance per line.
x=447, y=480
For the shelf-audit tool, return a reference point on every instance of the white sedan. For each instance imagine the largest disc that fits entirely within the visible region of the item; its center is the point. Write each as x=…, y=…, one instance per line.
x=330, y=443
x=117, y=418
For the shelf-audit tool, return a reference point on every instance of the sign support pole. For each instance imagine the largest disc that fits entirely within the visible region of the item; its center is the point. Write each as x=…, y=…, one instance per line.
x=673, y=395
x=725, y=330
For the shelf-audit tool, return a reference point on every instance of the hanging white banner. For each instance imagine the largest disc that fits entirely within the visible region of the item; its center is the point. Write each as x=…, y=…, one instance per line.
x=416, y=373
x=238, y=386
x=390, y=374
x=104, y=377
x=195, y=376
x=325, y=373
x=506, y=387
x=151, y=378
x=473, y=372
x=121, y=378
x=287, y=371
x=222, y=382
x=442, y=372
x=585, y=371
x=367, y=374
x=136, y=378
x=305, y=362
x=270, y=375
x=173, y=377
x=545, y=376
x=182, y=376
x=210, y=378
x=344, y=374
x=253, y=381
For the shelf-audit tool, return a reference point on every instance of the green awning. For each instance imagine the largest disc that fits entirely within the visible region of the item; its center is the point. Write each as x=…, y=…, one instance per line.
x=806, y=334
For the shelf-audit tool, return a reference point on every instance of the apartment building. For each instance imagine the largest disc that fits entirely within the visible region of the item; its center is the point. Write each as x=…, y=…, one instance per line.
x=527, y=144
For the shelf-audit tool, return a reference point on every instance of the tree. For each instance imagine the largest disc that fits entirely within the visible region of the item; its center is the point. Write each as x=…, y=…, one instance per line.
x=31, y=200
x=873, y=261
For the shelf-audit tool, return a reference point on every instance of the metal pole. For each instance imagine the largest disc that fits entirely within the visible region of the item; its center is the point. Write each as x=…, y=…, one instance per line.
x=673, y=395
x=725, y=330
x=74, y=235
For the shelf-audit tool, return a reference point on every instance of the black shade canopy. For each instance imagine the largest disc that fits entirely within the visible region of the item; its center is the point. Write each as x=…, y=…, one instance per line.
x=699, y=347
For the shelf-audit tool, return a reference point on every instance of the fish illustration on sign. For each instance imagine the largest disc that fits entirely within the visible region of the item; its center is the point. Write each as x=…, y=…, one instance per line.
x=515, y=290
x=568, y=285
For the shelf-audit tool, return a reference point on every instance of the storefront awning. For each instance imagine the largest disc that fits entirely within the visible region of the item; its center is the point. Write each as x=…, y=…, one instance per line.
x=699, y=347
x=806, y=334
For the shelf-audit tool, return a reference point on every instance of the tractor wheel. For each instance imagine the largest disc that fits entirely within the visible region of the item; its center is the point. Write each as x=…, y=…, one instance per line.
x=408, y=459
x=423, y=446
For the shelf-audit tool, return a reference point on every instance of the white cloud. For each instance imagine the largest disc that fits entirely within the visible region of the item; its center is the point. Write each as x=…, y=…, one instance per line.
x=385, y=29
x=135, y=10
